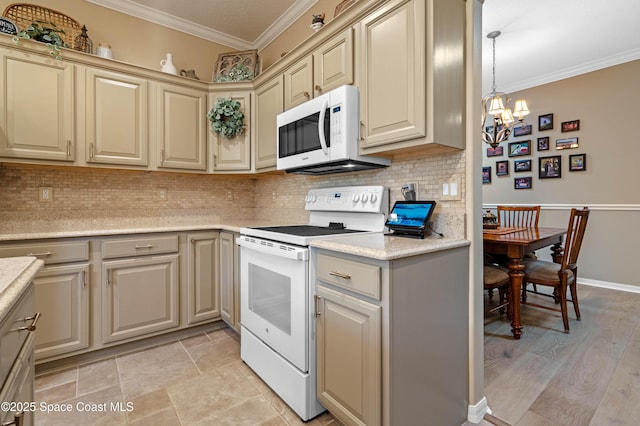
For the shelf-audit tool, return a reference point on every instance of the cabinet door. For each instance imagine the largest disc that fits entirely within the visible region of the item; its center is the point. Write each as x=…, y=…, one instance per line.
x=203, y=285
x=182, y=137
x=229, y=280
x=333, y=63
x=298, y=82
x=391, y=68
x=117, y=118
x=62, y=297
x=233, y=153
x=269, y=103
x=36, y=107
x=139, y=296
x=349, y=357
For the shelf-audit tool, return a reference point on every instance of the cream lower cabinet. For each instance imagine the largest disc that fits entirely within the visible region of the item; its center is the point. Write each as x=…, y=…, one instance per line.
x=230, y=280
x=349, y=354
x=117, y=118
x=36, y=107
x=181, y=126
x=63, y=301
x=203, y=282
x=232, y=154
x=412, y=86
x=269, y=103
x=139, y=296
x=392, y=337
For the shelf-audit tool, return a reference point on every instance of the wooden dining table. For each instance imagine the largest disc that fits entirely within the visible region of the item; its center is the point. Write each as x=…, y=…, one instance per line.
x=515, y=243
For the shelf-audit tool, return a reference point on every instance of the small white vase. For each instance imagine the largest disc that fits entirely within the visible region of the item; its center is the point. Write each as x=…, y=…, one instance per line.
x=167, y=65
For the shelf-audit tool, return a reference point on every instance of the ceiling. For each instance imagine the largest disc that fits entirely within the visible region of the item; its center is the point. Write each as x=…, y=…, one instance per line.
x=541, y=41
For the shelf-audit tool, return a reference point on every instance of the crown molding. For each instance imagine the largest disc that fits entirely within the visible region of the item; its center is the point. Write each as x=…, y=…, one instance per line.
x=606, y=62
x=161, y=18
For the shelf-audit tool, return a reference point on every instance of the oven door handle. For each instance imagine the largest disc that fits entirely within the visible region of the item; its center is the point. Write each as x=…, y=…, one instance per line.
x=273, y=248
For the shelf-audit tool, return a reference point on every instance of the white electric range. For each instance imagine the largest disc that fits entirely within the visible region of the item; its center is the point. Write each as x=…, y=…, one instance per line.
x=278, y=331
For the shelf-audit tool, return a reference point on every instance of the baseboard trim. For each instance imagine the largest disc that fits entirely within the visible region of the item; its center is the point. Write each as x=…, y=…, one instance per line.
x=612, y=286
x=475, y=413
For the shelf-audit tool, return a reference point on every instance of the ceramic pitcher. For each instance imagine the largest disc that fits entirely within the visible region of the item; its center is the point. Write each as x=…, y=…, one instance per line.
x=167, y=65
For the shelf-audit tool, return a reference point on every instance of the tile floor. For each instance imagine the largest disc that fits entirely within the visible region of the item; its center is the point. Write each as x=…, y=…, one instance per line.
x=195, y=381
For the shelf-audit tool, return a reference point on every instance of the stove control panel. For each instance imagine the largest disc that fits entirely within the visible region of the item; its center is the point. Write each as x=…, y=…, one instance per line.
x=362, y=199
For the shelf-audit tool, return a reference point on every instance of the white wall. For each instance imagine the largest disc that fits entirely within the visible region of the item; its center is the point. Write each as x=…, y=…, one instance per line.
x=605, y=103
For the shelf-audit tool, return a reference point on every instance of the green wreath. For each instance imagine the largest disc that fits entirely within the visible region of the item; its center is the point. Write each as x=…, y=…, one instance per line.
x=226, y=118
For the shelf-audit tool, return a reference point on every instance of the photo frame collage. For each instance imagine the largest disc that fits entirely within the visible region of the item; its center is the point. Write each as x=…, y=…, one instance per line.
x=548, y=166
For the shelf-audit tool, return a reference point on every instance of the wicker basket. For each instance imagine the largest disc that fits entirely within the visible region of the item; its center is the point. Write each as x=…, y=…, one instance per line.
x=24, y=14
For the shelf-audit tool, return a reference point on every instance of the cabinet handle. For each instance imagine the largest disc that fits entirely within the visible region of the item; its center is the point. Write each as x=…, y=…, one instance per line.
x=162, y=156
x=318, y=88
x=148, y=246
x=18, y=420
x=31, y=327
x=306, y=95
x=215, y=160
x=361, y=138
x=68, y=148
x=45, y=254
x=91, y=151
x=316, y=301
x=340, y=275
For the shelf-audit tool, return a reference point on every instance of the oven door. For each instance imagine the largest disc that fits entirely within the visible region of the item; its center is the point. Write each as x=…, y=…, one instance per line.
x=274, y=291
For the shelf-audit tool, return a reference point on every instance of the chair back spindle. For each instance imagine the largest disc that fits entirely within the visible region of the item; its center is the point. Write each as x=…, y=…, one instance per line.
x=575, y=234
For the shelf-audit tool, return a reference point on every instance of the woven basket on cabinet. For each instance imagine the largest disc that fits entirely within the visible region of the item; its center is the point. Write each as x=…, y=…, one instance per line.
x=24, y=14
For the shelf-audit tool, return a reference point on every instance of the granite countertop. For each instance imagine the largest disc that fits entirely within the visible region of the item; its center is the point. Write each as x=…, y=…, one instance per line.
x=15, y=275
x=387, y=247
x=121, y=226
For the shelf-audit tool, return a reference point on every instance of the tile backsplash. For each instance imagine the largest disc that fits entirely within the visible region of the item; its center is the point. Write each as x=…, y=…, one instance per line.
x=98, y=193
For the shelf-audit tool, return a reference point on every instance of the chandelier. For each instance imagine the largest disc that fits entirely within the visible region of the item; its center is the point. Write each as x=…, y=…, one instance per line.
x=496, y=104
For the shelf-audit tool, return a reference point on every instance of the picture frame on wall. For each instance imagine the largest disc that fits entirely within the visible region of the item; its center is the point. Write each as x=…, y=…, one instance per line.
x=522, y=130
x=522, y=182
x=545, y=122
x=543, y=143
x=570, y=126
x=486, y=175
x=550, y=167
x=519, y=148
x=578, y=163
x=568, y=143
x=502, y=168
x=495, y=152
x=521, y=166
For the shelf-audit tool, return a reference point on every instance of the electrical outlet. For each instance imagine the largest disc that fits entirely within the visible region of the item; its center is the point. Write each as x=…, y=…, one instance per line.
x=162, y=193
x=274, y=195
x=229, y=195
x=45, y=194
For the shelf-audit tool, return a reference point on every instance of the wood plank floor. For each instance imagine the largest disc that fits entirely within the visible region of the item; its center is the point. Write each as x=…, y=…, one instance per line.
x=590, y=376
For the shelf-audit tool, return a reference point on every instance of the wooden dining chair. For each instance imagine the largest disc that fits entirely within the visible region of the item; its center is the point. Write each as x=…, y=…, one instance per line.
x=518, y=216
x=564, y=274
x=497, y=277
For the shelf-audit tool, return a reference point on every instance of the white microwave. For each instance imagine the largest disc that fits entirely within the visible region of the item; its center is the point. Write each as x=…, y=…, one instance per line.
x=321, y=136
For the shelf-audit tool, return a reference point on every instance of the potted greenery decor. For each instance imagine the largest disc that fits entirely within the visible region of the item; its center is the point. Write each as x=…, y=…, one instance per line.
x=42, y=32
x=226, y=118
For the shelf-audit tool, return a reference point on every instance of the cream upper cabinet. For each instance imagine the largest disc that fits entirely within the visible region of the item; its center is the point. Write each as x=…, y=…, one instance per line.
x=333, y=63
x=411, y=75
x=36, y=107
x=181, y=126
x=329, y=66
x=269, y=103
x=117, y=119
x=232, y=154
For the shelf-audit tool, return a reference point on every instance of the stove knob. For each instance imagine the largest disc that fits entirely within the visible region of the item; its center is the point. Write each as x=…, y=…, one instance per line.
x=312, y=198
x=365, y=197
x=373, y=198
x=356, y=198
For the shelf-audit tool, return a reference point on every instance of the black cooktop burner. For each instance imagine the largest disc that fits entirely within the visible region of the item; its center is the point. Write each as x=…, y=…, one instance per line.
x=308, y=230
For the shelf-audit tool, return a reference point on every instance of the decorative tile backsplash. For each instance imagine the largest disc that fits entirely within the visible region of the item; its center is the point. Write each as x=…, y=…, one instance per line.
x=110, y=193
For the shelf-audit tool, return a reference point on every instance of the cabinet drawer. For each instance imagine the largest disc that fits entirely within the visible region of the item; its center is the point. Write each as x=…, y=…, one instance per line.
x=50, y=252
x=14, y=332
x=139, y=246
x=358, y=277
